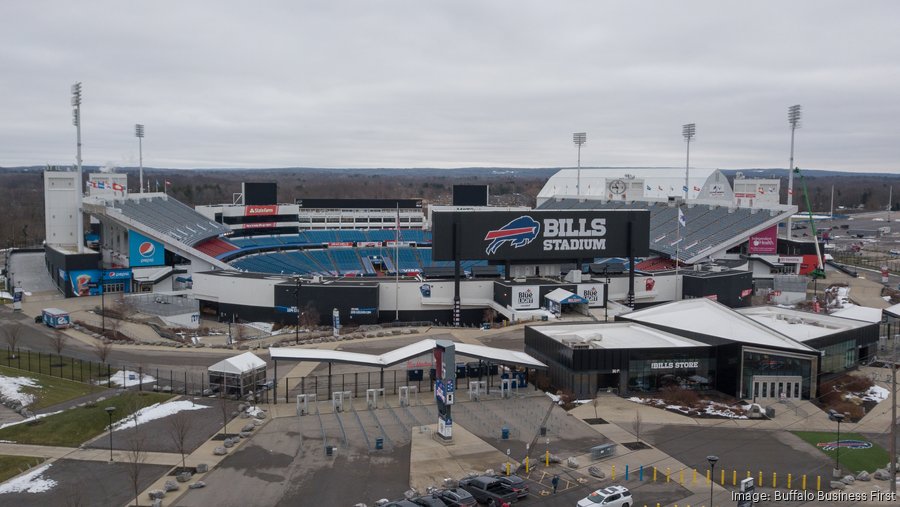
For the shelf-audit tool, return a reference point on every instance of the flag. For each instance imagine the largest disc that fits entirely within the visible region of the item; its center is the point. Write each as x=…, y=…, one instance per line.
x=681, y=219
x=168, y=183
x=117, y=186
x=696, y=188
x=761, y=191
x=790, y=191
x=93, y=184
x=684, y=188
x=648, y=187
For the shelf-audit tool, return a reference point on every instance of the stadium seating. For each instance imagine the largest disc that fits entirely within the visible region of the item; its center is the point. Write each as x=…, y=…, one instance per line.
x=215, y=247
x=172, y=218
x=346, y=260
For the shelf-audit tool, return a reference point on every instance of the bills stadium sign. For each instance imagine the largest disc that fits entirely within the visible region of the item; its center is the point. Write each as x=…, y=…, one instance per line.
x=539, y=235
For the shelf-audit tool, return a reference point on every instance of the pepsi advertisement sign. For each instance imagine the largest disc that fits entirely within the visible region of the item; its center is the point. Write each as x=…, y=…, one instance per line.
x=540, y=235
x=143, y=251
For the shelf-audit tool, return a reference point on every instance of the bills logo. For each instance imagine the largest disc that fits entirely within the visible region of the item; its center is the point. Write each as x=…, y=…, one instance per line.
x=517, y=233
x=146, y=249
x=845, y=444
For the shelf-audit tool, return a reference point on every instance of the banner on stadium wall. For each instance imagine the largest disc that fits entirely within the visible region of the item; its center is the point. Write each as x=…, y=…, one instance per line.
x=764, y=242
x=260, y=210
x=85, y=282
x=525, y=297
x=143, y=251
x=260, y=225
x=595, y=293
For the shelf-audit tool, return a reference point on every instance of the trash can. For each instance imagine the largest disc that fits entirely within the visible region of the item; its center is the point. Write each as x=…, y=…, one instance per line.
x=329, y=450
x=379, y=443
x=543, y=431
x=504, y=433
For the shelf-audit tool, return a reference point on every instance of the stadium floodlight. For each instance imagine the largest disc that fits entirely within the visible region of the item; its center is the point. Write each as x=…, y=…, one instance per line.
x=579, y=138
x=794, y=115
x=688, y=131
x=76, y=121
x=139, y=133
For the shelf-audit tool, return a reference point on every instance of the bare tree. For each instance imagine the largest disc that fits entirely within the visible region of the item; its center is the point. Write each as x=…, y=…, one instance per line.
x=636, y=424
x=596, y=403
x=180, y=426
x=225, y=414
x=238, y=333
x=12, y=335
x=102, y=350
x=489, y=315
x=59, y=341
x=136, y=454
x=310, y=316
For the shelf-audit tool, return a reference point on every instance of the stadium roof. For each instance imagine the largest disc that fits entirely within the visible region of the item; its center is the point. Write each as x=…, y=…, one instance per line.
x=662, y=181
x=708, y=228
x=616, y=335
x=803, y=326
x=706, y=317
x=396, y=356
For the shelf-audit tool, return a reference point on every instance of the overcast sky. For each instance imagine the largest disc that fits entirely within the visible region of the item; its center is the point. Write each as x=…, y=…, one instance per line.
x=452, y=83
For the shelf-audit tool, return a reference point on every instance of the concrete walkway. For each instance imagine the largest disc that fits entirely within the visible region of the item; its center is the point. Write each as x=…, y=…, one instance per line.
x=50, y=452
x=431, y=460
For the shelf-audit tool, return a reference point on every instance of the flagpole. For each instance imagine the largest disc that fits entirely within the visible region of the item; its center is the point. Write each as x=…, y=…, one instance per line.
x=677, y=245
x=397, y=268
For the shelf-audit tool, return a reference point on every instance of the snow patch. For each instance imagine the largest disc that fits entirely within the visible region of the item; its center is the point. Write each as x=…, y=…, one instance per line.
x=876, y=394
x=253, y=411
x=10, y=389
x=32, y=482
x=29, y=419
x=125, y=378
x=553, y=397
x=155, y=411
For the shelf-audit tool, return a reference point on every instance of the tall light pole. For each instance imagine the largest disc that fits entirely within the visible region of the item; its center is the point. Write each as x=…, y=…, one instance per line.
x=837, y=456
x=297, y=296
x=139, y=133
x=79, y=186
x=688, y=132
x=579, y=138
x=794, y=120
x=712, y=476
x=110, y=410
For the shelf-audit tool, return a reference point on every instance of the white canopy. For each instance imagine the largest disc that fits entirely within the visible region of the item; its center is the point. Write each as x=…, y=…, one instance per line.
x=248, y=361
x=560, y=295
x=396, y=356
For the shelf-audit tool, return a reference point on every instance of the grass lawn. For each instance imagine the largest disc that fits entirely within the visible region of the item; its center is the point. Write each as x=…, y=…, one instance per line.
x=53, y=389
x=851, y=459
x=54, y=366
x=78, y=425
x=11, y=466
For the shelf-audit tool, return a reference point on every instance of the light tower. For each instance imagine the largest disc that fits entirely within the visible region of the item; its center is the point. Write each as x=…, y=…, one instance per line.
x=79, y=186
x=139, y=133
x=794, y=120
x=579, y=138
x=688, y=132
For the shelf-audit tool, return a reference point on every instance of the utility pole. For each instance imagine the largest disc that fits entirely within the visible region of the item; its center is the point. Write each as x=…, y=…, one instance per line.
x=794, y=120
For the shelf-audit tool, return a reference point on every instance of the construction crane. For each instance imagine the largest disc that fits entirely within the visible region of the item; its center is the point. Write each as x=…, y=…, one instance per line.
x=819, y=272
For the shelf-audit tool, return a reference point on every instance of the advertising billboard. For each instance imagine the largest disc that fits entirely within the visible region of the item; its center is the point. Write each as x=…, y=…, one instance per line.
x=260, y=210
x=143, y=251
x=595, y=293
x=764, y=242
x=85, y=282
x=525, y=297
x=541, y=235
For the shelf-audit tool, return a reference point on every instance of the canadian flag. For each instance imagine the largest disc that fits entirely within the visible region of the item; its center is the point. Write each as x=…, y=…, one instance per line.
x=790, y=191
x=761, y=191
x=696, y=188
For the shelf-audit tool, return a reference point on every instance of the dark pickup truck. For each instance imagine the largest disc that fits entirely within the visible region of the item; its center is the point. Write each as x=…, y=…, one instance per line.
x=488, y=490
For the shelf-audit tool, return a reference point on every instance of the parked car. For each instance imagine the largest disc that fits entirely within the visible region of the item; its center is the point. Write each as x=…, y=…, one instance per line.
x=432, y=500
x=612, y=496
x=488, y=490
x=515, y=483
x=457, y=497
x=400, y=503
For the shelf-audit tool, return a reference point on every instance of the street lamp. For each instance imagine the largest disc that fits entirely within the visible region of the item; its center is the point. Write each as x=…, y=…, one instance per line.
x=837, y=455
x=579, y=138
x=688, y=132
x=109, y=411
x=794, y=120
x=712, y=476
x=297, y=295
x=139, y=133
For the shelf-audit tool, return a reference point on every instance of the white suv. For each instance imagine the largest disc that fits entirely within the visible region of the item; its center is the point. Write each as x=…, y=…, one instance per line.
x=612, y=496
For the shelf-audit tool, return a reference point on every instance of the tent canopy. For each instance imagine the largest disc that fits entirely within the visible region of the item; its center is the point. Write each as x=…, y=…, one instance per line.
x=564, y=297
x=246, y=362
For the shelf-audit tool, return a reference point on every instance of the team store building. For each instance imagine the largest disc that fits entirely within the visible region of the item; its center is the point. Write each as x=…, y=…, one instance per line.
x=758, y=353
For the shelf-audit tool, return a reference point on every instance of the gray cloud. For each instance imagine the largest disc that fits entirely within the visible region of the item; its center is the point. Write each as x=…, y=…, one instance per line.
x=449, y=84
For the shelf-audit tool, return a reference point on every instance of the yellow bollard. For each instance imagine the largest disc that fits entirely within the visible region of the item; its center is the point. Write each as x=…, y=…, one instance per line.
x=722, y=480
x=507, y=468
x=789, y=481
x=748, y=474
x=734, y=478
x=668, y=471
x=526, y=464
x=694, y=479
x=547, y=459
x=707, y=476
x=774, y=480
x=681, y=477
x=760, y=480
x=803, y=483
x=654, y=474
x=818, y=483
x=614, y=472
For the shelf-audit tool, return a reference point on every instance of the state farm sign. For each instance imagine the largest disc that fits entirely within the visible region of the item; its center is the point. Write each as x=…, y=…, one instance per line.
x=253, y=211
